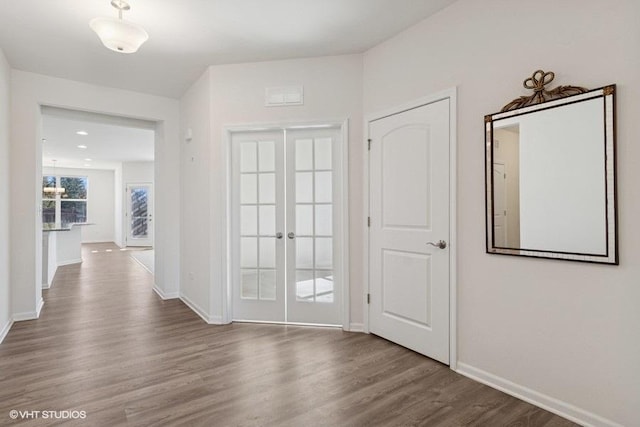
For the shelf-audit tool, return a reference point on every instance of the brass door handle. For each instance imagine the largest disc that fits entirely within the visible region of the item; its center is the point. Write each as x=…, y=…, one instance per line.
x=441, y=244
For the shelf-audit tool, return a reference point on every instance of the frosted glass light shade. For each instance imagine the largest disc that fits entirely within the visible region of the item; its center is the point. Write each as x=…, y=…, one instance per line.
x=119, y=35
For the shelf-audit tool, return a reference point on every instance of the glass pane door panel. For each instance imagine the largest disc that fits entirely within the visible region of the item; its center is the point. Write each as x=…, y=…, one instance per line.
x=304, y=154
x=267, y=187
x=248, y=188
x=248, y=220
x=249, y=252
x=248, y=157
x=249, y=285
x=324, y=253
x=311, y=183
x=258, y=184
x=267, y=156
x=139, y=212
x=304, y=187
x=324, y=286
x=323, y=153
x=304, y=252
x=267, y=252
x=267, y=220
x=268, y=285
x=323, y=187
x=324, y=220
x=304, y=285
x=304, y=220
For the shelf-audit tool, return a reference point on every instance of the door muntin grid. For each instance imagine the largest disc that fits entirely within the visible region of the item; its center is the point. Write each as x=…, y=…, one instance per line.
x=258, y=264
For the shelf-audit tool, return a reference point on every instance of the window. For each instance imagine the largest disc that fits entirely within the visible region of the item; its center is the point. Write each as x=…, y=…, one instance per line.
x=64, y=200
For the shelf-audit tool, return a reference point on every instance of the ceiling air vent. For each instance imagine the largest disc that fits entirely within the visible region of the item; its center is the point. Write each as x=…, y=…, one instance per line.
x=283, y=96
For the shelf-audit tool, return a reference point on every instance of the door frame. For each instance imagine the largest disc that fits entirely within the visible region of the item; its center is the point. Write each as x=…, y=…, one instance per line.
x=343, y=249
x=451, y=95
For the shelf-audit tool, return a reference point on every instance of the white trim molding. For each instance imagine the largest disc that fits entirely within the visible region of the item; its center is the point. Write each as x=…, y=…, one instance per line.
x=551, y=404
x=164, y=295
x=356, y=327
x=450, y=94
x=211, y=320
x=227, y=134
x=29, y=315
x=69, y=262
x=5, y=331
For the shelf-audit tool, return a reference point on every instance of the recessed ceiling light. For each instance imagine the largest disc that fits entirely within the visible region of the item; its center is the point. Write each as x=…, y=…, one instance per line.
x=44, y=139
x=87, y=160
x=82, y=147
x=82, y=132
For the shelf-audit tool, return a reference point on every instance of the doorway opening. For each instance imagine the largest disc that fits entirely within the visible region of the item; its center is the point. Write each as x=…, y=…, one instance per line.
x=89, y=162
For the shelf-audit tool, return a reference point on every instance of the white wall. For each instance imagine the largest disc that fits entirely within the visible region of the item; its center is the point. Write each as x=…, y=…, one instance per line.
x=118, y=207
x=332, y=91
x=30, y=91
x=137, y=172
x=566, y=333
x=100, y=202
x=5, y=296
x=195, y=114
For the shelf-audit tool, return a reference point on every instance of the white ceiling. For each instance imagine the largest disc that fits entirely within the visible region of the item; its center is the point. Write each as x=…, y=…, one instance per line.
x=108, y=142
x=53, y=37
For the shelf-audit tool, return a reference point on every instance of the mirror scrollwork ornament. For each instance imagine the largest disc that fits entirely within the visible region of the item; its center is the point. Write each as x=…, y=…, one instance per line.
x=537, y=83
x=550, y=173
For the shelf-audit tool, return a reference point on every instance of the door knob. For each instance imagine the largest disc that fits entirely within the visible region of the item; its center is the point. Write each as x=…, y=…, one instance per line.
x=291, y=235
x=441, y=244
x=279, y=235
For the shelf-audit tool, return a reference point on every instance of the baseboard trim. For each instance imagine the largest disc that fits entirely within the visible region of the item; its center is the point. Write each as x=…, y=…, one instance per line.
x=29, y=315
x=551, y=404
x=211, y=320
x=167, y=295
x=71, y=261
x=46, y=286
x=39, y=308
x=356, y=327
x=5, y=330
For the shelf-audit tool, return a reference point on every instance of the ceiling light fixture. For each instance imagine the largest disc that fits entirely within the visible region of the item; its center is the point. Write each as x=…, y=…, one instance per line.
x=82, y=132
x=87, y=160
x=117, y=34
x=82, y=147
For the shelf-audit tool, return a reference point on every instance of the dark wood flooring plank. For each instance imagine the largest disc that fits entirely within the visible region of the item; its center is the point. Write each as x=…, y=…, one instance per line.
x=106, y=344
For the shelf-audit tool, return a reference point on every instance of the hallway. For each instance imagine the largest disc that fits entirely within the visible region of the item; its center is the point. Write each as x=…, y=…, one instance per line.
x=106, y=344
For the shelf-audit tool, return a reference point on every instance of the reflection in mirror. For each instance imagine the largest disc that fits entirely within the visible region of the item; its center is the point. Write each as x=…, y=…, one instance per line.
x=551, y=179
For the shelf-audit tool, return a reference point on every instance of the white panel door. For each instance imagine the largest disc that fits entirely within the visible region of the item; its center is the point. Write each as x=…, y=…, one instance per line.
x=409, y=209
x=257, y=223
x=139, y=215
x=314, y=291
x=499, y=206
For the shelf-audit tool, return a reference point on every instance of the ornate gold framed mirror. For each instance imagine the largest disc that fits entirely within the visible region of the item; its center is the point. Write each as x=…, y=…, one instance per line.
x=550, y=174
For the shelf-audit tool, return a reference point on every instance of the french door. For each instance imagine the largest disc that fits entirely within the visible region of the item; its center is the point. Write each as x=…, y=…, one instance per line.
x=285, y=219
x=139, y=215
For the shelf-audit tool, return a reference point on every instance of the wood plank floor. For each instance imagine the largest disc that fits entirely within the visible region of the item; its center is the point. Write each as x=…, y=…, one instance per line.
x=107, y=345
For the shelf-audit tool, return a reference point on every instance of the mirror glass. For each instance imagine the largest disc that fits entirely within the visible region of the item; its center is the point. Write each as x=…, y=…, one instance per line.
x=551, y=179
